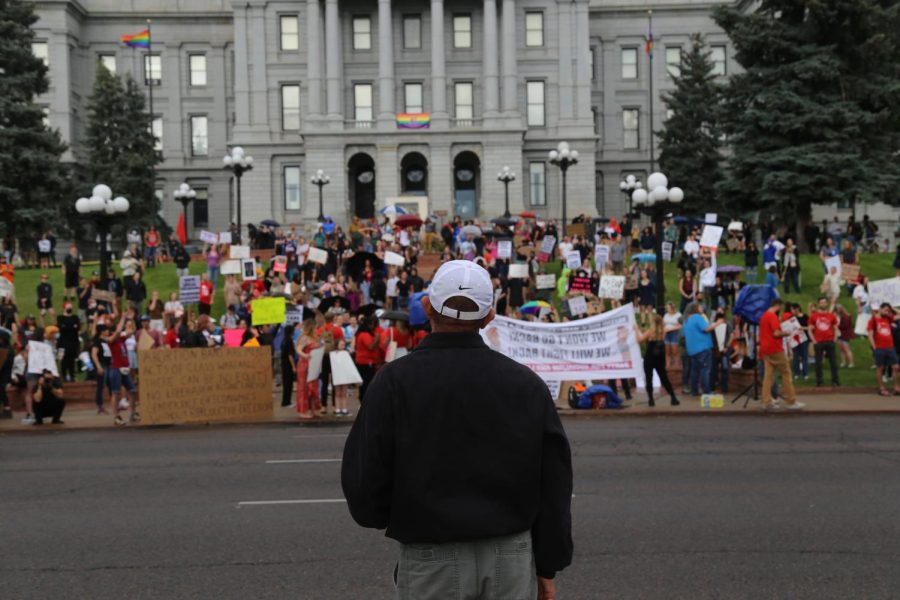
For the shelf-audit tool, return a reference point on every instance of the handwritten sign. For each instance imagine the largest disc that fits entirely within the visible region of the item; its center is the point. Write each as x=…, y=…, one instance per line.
x=545, y=282
x=612, y=286
x=44, y=246
x=343, y=371
x=601, y=256
x=280, y=265
x=504, y=249
x=293, y=314
x=667, y=251
x=41, y=358
x=248, y=269
x=577, y=305
x=6, y=288
x=209, y=237
x=392, y=258
x=317, y=255
x=573, y=260
x=711, y=218
x=103, y=295
x=200, y=385
x=547, y=245
x=711, y=236
x=231, y=267
x=518, y=271
x=884, y=290
x=239, y=252
x=850, y=272
x=189, y=289
x=225, y=237
x=268, y=311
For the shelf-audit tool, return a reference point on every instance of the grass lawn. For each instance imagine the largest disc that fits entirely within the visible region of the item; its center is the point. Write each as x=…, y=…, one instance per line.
x=876, y=266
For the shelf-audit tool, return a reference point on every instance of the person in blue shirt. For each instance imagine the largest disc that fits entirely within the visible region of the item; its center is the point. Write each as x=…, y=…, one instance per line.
x=772, y=277
x=699, y=343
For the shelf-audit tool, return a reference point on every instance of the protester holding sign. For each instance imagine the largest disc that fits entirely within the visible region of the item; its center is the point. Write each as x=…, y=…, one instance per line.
x=307, y=391
x=771, y=350
x=655, y=358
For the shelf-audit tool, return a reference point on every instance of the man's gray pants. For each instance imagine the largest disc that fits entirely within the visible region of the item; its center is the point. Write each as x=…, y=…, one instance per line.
x=500, y=568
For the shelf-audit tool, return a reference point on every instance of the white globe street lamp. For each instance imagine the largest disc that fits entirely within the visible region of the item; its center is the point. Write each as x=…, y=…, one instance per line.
x=238, y=163
x=102, y=208
x=506, y=176
x=320, y=179
x=563, y=158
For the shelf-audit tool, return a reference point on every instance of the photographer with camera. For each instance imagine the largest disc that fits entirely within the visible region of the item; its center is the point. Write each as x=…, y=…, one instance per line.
x=47, y=397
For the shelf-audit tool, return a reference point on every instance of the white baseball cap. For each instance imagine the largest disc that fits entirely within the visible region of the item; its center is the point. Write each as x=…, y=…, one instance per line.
x=462, y=278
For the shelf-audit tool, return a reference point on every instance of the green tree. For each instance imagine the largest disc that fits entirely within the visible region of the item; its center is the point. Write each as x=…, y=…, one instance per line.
x=33, y=182
x=814, y=117
x=120, y=144
x=690, y=146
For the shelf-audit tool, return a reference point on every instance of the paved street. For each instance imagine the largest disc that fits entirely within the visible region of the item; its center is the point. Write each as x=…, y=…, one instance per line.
x=688, y=507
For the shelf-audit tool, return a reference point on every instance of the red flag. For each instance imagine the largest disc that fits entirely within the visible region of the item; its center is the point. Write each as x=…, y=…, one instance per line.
x=181, y=230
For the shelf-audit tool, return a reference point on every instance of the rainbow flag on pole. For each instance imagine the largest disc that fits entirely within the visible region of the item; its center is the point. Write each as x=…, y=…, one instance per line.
x=413, y=120
x=138, y=40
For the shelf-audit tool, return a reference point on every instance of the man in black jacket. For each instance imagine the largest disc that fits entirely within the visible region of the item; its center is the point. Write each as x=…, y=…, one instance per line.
x=459, y=453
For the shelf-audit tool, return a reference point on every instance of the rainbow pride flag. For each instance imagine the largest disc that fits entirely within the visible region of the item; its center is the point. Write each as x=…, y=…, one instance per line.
x=413, y=120
x=138, y=40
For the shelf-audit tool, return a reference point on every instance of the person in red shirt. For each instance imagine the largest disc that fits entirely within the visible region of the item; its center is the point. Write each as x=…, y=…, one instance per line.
x=368, y=351
x=399, y=332
x=771, y=350
x=329, y=334
x=881, y=338
x=206, y=294
x=120, y=373
x=823, y=329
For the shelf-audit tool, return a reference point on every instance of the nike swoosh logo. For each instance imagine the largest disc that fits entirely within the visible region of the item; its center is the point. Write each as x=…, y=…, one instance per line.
x=461, y=288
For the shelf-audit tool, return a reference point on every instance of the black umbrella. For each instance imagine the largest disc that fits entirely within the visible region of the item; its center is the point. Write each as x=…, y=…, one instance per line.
x=332, y=302
x=270, y=223
x=357, y=263
x=601, y=220
x=394, y=315
x=500, y=235
x=504, y=221
x=366, y=309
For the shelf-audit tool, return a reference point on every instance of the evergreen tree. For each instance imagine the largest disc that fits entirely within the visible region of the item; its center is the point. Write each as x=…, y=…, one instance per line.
x=33, y=182
x=121, y=145
x=690, y=143
x=816, y=114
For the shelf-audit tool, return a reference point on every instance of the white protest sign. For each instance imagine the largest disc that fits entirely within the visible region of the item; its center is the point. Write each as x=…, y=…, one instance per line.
x=553, y=385
x=600, y=347
x=504, y=249
x=884, y=290
x=573, y=260
x=248, y=269
x=315, y=363
x=392, y=258
x=667, y=251
x=293, y=314
x=189, y=289
x=231, y=267
x=791, y=326
x=6, y=288
x=612, y=286
x=711, y=236
x=209, y=237
x=545, y=282
x=547, y=245
x=239, y=252
x=40, y=358
x=518, y=271
x=721, y=331
x=833, y=261
x=44, y=245
x=317, y=255
x=343, y=371
x=577, y=305
x=711, y=218
x=225, y=237
x=601, y=256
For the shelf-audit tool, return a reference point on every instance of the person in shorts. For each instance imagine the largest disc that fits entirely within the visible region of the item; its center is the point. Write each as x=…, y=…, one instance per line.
x=120, y=373
x=881, y=338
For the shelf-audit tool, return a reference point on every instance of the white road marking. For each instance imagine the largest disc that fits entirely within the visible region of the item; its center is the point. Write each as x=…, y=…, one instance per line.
x=302, y=460
x=276, y=502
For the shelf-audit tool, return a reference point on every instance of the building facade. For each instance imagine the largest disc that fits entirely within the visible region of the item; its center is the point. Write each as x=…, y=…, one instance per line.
x=334, y=85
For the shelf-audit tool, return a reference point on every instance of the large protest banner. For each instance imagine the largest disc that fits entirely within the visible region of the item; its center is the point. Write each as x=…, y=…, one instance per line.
x=200, y=385
x=600, y=347
x=884, y=290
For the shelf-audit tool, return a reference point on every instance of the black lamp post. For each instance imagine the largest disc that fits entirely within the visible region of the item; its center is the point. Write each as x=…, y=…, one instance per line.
x=184, y=195
x=658, y=202
x=320, y=179
x=238, y=163
x=102, y=209
x=563, y=158
x=506, y=176
x=628, y=187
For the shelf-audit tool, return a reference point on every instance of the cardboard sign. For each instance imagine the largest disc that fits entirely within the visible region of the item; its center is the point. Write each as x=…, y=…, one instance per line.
x=6, y=288
x=594, y=306
x=209, y=237
x=225, y=237
x=268, y=311
x=280, y=265
x=850, y=272
x=547, y=245
x=392, y=258
x=833, y=261
x=601, y=256
x=667, y=251
x=189, y=289
x=315, y=363
x=103, y=296
x=577, y=305
x=711, y=236
x=231, y=267
x=200, y=385
x=545, y=282
x=573, y=229
x=518, y=271
x=612, y=286
x=343, y=370
x=884, y=290
x=504, y=249
x=317, y=255
x=248, y=269
x=239, y=252
x=711, y=218
x=145, y=341
x=40, y=358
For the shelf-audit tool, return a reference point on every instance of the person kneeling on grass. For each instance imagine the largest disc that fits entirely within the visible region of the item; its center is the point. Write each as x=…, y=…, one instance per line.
x=48, y=399
x=881, y=339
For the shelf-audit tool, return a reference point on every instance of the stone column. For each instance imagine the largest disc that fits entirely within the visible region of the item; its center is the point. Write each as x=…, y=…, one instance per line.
x=491, y=76
x=241, y=69
x=333, y=61
x=385, y=64
x=314, y=56
x=510, y=83
x=438, y=67
x=259, y=93
x=566, y=83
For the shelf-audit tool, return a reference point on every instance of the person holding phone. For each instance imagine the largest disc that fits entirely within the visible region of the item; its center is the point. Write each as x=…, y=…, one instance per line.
x=47, y=398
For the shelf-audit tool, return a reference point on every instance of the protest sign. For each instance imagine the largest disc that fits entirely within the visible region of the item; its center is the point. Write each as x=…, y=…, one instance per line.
x=199, y=385
x=293, y=314
x=553, y=385
x=833, y=261
x=577, y=305
x=601, y=256
x=518, y=271
x=547, y=245
x=239, y=252
x=189, y=289
x=103, y=296
x=225, y=237
x=209, y=237
x=545, y=282
x=145, y=342
x=711, y=236
x=343, y=370
x=280, y=265
x=392, y=258
x=315, y=363
x=594, y=306
x=711, y=218
x=791, y=326
x=573, y=229
x=317, y=255
x=44, y=246
x=862, y=324
x=233, y=337
x=231, y=267
x=884, y=290
x=268, y=311
x=580, y=284
x=712, y=401
x=667, y=251
x=248, y=269
x=40, y=358
x=721, y=331
x=573, y=260
x=6, y=288
x=599, y=347
x=612, y=286
x=504, y=249
x=850, y=272
x=252, y=343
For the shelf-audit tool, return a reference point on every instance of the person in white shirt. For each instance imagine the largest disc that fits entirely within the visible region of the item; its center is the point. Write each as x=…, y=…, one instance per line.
x=861, y=296
x=392, y=291
x=708, y=281
x=564, y=247
x=692, y=247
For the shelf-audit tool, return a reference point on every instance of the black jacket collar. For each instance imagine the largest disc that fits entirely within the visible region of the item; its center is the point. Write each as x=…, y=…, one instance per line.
x=452, y=340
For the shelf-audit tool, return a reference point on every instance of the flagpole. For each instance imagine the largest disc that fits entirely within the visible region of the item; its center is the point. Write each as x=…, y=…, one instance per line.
x=650, y=77
x=150, y=78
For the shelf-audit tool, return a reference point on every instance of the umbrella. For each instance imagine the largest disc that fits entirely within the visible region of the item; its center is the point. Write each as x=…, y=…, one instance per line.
x=586, y=398
x=527, y=215
x=689, y=221
x=472, y=230
x=270, y=223
x=498, y=234
x=408, y=221
x=645, y=257
x=366, y=309
x=416, y=311
x=333, y=301
x=729, y=269
x=535, y=307
x=356, y=263
x=394, y=315
x=601, y=220
x=504, y=222
x=392, y=209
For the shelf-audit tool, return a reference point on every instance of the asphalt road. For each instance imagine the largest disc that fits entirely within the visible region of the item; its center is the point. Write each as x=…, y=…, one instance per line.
x=803, y=507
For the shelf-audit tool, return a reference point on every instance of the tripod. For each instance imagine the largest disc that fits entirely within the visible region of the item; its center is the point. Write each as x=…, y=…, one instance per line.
x=751, y=392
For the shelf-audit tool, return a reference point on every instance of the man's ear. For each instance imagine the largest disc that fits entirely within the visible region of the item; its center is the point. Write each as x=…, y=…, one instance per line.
x=485, y=321
x=426, y=306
